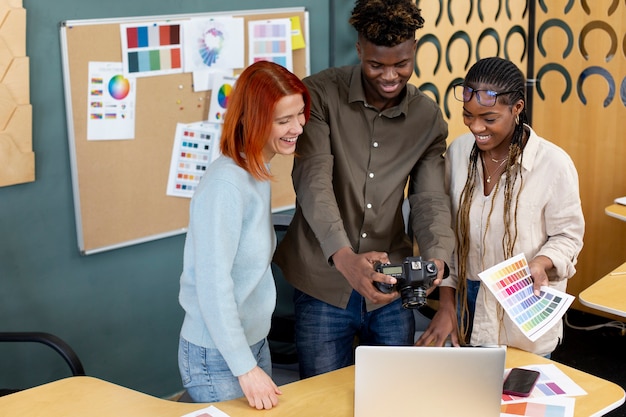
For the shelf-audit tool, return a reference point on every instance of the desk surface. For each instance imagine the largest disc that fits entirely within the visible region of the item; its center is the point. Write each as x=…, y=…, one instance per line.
x=331, y=394
x=616, y=210
x=607, y=294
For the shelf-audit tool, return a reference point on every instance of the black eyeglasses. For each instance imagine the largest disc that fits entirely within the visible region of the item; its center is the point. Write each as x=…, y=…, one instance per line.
x=485, y=98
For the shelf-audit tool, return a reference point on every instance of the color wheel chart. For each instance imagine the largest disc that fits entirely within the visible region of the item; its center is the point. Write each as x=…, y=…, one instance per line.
x=511, y=284
x=151, y=49
x=111, y=103
x=220, y=94
x=196, y=145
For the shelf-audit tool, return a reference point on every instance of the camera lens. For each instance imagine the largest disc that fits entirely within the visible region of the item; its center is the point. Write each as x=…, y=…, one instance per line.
x=413, y=297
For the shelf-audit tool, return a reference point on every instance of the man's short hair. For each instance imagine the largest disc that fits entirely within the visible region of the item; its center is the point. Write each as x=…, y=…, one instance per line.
x=386, y=22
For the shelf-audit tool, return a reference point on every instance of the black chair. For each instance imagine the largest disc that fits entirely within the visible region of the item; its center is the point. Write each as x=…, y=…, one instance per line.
x=54, y=342
x=282, y=339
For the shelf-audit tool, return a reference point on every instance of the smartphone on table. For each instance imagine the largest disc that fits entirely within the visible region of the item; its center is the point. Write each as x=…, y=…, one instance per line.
x=520, y=382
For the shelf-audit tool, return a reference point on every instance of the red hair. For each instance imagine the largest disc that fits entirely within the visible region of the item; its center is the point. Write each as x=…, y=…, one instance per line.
x=250, y=113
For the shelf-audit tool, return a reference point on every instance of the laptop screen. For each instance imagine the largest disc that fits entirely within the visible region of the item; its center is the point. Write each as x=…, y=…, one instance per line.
x=428, y=381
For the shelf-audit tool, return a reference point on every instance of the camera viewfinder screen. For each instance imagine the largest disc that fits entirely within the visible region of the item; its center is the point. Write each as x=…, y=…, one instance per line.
x=392, y=270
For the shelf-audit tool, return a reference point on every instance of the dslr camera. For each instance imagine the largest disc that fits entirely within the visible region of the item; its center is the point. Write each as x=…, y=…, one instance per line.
x=414, y=276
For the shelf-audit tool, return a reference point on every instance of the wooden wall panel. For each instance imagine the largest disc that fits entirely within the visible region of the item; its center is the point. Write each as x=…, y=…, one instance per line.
x=587, y=119
x=17, y=160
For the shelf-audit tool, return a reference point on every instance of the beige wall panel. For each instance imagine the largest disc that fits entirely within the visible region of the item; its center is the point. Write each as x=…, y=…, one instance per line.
x=17, y=161
x=591, y=133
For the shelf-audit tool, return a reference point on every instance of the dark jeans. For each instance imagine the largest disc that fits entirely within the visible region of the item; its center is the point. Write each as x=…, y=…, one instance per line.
x=325, y=334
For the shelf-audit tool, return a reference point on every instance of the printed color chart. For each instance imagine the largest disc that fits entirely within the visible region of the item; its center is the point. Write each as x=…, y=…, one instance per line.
x=271, y=41
x=534, y=409
x=546, y=407
x=552, y=383
x=151, y=49
x=196, y=145
x=511, y=284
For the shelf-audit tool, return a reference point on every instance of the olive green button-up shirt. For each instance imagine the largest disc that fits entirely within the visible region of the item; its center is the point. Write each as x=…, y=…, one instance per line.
x=351, y=168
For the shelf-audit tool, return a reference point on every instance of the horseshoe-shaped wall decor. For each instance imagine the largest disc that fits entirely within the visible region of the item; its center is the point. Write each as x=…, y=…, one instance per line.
x=487, y=32
x=440, y=13
x=598, y=24
x=464, y=37
x=568, y=6
x=558, y=23
x=611, y=10
x=560, y=69
x=515, y=29
x=480, y=10
x=446, y=108
x=428, y=38
x=433, y=89
x=469, y=15
x=597, y=71
x=508, y=9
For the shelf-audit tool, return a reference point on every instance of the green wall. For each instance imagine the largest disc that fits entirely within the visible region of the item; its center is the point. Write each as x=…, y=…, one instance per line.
x=118, y=309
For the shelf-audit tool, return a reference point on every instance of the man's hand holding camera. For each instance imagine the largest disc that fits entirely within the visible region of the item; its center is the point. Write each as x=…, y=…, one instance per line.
x=358, y=270
x=416, y=278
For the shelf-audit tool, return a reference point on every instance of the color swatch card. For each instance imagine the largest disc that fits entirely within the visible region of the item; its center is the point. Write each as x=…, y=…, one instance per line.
x=510, y=282
x=552, y=382
x=540, y=407
x=196, y=145
x=110, y=103
x=270, y=40
x=151, y=49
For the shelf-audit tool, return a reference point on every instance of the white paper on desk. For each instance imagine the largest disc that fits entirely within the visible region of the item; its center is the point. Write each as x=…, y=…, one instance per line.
x=621, y=200
x=511, y=284
x=551, y=383
x=540, y=407
x=210, y=411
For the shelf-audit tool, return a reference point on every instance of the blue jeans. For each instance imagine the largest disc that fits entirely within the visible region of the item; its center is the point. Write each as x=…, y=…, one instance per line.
x=325, y=334
x=206, y=375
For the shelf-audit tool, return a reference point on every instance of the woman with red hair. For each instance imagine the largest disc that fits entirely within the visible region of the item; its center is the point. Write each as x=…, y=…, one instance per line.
x=226, y=288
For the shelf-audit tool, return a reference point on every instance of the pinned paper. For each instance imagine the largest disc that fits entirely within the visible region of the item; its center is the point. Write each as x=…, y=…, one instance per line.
x=213, y=43
x=270, y=40
x=220, y=94
x=196, y=146
x=297, y=38
x=110, y=102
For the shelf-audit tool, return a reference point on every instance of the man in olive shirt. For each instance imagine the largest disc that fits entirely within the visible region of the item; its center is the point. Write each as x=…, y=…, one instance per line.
x=369, y=133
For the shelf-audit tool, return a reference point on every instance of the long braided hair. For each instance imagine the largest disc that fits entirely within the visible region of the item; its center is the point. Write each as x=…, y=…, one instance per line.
x=499, y=75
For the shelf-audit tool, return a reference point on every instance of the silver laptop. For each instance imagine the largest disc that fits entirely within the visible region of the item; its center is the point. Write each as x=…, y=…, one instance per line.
x=397, y=381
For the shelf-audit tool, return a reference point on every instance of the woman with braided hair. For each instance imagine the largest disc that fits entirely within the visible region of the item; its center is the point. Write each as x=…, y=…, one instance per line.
x=511, y=192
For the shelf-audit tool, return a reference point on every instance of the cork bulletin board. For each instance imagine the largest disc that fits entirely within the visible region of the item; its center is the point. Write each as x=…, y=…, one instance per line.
x=120, y=185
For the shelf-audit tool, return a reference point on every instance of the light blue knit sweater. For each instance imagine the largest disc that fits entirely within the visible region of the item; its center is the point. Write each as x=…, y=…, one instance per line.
x=226, y=288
